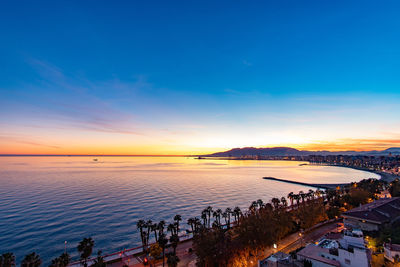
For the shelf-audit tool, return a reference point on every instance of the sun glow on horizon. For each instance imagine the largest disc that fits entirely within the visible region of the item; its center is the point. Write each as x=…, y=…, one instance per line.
x=135, y=87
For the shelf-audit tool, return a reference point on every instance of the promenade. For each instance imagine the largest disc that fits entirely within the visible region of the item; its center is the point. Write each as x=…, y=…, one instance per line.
x=297, y=240
x=133, y=257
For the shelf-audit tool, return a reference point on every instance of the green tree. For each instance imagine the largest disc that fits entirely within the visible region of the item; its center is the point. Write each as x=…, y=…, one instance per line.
x=163, y=241
x=174, y=240
x=177, y=219
x=172, y=260
x=7, y=260
x=31, y=260
x=99, y=260
x=155, y=251
x=140, y=226
x=85, y=248
x=61, y=261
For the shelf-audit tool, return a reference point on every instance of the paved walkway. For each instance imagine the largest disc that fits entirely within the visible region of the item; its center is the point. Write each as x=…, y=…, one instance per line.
x=295, y=241
x=290, y=243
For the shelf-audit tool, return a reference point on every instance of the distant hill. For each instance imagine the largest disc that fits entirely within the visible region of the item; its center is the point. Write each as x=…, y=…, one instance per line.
x=288, y=151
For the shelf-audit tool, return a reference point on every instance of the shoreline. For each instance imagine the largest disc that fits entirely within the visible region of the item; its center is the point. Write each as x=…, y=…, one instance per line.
x=386, y=177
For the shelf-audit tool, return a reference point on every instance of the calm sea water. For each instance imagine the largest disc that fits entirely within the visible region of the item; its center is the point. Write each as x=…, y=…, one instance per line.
x=45, y=201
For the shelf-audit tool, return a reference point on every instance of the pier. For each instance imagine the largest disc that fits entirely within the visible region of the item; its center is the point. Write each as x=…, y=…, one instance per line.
x=323, y=186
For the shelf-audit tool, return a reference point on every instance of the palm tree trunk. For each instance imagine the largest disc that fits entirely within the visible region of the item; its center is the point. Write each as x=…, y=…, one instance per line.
x=163, y=257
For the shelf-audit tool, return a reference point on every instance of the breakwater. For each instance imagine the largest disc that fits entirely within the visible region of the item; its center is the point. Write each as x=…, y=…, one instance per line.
x=323, y=186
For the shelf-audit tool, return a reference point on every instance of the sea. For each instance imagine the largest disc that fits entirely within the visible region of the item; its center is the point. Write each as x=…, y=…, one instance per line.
x=49, y=204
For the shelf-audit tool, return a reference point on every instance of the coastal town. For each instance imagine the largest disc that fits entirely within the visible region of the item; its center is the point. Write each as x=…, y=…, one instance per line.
x=383, y=165
x=354, y=224
x=199, y=133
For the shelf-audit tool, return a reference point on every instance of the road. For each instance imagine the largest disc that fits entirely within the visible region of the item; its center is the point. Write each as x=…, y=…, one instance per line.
x=288, y=244
x=295, y=241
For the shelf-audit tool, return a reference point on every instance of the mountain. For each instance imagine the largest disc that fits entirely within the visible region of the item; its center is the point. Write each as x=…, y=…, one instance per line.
x=288, y=151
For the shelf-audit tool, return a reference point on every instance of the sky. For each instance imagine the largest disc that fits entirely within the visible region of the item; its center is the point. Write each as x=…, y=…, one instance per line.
x=192, y=77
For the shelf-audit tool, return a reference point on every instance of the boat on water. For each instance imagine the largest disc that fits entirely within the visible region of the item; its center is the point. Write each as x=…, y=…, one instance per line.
x=95, y=160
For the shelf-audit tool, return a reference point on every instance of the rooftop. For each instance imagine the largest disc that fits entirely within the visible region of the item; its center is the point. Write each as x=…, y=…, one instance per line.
x=313, y=252
x=380, y=211
x=392, y=247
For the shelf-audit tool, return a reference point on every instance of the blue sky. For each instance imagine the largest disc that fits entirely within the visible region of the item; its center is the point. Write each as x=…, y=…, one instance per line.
x=162, y=77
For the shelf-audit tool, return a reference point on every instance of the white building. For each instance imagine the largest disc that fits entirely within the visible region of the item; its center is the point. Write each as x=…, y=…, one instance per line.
x=349, y=250
x=392, y=252
x=278, y=259
x=374, y=215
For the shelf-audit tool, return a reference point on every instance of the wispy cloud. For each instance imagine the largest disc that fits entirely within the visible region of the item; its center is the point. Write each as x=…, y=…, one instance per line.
x=25, y=141
x=71, y=101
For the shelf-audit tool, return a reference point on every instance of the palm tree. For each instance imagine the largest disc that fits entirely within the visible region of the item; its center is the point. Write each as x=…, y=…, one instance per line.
x=99, y=261
x=291, y=197
x=217, y=215
x=7, y=260
x=318, y=192
x=302, y=195
x=197, y=224
x=284, y=201
x=172, y=260
x=297, y=198
x=204, y=217
x=61, y=261
x=236, y=213
x=312, y=193
x=229, y=213
x=174, y=240
x=177, y=219
x=55, y=262
x=149, y=224
x=227, y=217
x=253, y=206
x=275, y=201
x=154, y=228
x=191, y=222
x=163, y=241
x=31, y=260
x=171, y=228
x=209, y=211
x=65, y=258
x=140, y=225
x=160, y=227
x=260, y=203
x=85, y=249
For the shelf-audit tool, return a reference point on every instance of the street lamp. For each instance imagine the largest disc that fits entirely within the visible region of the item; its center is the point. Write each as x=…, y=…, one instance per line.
x=65, y=247
x=301, y=237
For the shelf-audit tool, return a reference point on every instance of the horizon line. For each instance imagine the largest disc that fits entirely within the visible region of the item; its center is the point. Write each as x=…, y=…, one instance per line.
x=89, y=155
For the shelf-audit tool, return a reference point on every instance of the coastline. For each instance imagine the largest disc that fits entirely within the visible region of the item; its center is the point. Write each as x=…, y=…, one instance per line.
x=386, y=177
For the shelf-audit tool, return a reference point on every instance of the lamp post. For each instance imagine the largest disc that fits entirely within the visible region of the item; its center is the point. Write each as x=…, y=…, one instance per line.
x=65, y=247
x=301, y=237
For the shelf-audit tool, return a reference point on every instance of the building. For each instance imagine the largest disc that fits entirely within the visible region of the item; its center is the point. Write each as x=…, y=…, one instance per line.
x=392, y=252
x=278, y=259
x=372, y=216
x=348, y=250
x=384, y=194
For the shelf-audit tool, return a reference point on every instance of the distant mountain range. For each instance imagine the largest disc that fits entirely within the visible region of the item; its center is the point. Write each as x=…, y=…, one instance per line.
x=288, y=151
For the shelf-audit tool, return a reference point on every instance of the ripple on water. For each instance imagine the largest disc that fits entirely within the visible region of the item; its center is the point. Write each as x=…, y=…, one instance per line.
x=45, y=201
